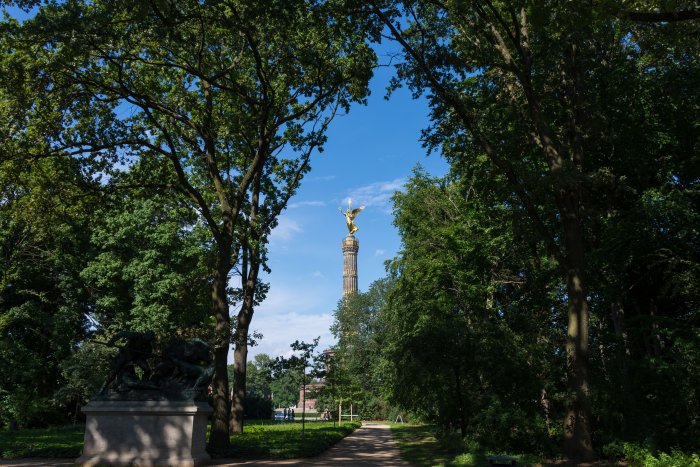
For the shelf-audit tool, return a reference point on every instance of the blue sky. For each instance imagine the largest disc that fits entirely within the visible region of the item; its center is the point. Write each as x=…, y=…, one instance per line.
x=369, y=155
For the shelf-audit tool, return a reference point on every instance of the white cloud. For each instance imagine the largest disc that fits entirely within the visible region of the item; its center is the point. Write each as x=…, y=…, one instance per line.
x=379, y=252
x=318, y=274
x=293, y=312
x=280, y=329
x=376, y=194
x=302, y=204
x=285, y=230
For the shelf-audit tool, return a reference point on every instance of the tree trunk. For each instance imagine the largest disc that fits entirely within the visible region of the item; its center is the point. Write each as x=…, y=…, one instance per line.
x=249, y=268
x=303, y=402
x=544, y=403
x=460, y=402
x=240, y=356
x=577, y=429
x=240, y=353
x=624, y=356
x=219, y=435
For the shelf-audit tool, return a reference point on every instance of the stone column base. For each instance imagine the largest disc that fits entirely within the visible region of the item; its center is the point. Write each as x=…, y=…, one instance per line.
x=145, y=433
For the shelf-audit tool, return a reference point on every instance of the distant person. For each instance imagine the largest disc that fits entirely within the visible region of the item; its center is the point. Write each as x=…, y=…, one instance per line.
x=284, y=412
x=292, y=416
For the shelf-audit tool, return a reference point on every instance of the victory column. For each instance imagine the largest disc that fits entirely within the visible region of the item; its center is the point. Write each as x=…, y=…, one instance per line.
x=350, y=248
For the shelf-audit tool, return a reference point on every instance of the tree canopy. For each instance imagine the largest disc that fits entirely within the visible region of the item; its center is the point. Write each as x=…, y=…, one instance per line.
x=562, y=108
x=228, y=100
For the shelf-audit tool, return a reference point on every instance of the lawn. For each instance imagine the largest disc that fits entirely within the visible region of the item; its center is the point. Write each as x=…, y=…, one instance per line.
x=284, y=440
x=64, y=441
x=420, y=447
x=259, y=440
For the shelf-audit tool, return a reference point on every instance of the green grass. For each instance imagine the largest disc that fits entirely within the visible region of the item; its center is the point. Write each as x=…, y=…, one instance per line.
x=284, y=440
x=420, y=447
x=260, y=440
x=63, y=442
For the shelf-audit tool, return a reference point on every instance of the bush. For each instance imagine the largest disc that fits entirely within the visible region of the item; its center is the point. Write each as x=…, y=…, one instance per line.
x=640, y=456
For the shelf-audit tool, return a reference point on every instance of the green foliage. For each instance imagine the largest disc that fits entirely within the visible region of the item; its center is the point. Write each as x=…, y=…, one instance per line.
x=640, y=456
x=261, y=387
x=572, y=134
x=304, y=366
x=285, y=389
x=83, y=372
x=279, y=387
x=222, y=106
x=354, y=371
x=151, y=264
x=465, y=341
x=44, y=219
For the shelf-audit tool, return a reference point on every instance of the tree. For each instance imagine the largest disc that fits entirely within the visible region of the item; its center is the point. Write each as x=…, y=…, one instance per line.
x=232, y=98
x=469, y=322
x=302, y=364
x=284, y=387
x=44, y=244
x=355, y=373
x=528, y=87
x=259, y=392
x=84, y=372
x=260, y=376
x=149, y=269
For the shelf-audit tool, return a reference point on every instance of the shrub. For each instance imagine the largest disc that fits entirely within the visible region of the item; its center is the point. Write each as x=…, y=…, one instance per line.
x=641, y=456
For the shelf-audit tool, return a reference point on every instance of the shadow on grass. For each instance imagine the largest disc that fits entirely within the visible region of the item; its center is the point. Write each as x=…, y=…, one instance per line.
x=58, y=442
x=285, y=441
x=420, y=447
x=259, y=441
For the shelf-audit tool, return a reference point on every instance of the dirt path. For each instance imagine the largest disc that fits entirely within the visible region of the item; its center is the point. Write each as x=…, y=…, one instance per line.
x=371, y=445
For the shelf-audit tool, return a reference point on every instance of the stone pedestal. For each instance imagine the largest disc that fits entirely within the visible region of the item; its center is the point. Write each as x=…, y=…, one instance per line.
x=145, y=433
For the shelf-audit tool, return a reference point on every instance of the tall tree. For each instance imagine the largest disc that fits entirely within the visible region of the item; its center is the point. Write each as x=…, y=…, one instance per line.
x=232, y=97
x=44, y=244
x=303, y=364
x=527, y=85
x=471, y=318
x=354, y=367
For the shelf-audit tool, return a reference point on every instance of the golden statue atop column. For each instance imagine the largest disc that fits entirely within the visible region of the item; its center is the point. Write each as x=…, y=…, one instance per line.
x=350, y=215
x=350, y=248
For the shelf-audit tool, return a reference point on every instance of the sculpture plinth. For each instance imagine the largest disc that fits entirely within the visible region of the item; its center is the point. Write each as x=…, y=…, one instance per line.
x=156, y=417
x=350, y=248
x=145, y=433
